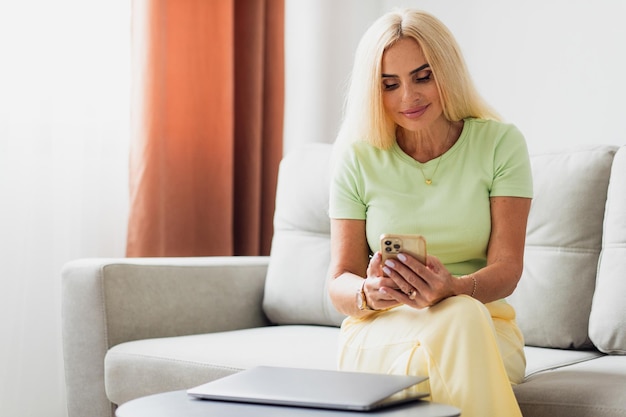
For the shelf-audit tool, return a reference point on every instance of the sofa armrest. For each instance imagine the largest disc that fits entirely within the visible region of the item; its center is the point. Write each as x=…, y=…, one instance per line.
x=110, y=301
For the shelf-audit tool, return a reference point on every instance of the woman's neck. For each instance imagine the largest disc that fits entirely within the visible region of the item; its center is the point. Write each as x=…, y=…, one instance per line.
x=427, y=144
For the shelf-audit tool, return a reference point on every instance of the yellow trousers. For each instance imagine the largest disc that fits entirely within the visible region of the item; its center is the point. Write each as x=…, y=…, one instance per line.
x=471, y=352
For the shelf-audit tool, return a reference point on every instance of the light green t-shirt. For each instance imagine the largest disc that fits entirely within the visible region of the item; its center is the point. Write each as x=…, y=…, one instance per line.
x=387, y=189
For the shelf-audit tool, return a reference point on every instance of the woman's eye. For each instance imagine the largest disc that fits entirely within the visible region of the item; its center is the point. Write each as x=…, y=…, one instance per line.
x=423, y=78
x=390, y=86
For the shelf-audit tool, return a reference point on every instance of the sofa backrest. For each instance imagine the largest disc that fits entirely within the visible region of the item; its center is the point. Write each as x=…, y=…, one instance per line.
x=297, y=276
x=607, y=323
x=563, y=243
x=555, y=296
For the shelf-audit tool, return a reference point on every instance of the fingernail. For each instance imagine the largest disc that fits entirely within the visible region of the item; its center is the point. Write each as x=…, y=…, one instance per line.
x=387, y=270
x=402, y=257
x=390, y=263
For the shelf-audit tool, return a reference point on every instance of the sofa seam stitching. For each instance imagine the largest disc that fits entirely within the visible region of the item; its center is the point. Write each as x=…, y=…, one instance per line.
x=174, y=360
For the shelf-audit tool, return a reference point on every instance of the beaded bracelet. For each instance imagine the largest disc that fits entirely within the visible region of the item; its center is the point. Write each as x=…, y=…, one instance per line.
x=475, y=283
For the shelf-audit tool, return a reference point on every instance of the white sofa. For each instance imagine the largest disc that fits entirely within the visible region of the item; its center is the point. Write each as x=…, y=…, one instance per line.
x=133, y=327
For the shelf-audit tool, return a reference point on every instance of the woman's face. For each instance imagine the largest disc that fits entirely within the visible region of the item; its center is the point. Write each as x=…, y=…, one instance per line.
x=410, y=95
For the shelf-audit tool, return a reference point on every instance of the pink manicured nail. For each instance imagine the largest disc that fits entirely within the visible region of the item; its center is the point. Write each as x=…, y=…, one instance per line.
x=402, y=257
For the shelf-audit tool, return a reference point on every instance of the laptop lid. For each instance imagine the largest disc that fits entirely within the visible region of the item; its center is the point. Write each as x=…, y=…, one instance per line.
x=312, y=388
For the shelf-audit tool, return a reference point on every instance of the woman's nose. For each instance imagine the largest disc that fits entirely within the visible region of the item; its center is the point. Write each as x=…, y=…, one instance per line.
x=410, y=93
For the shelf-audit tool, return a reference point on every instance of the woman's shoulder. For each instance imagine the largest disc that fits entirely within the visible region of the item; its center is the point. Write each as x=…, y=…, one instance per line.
x=483, y=126
x=352, y=156
x=495, y=141
x=488, y=132
x=493, y=129
x=360, y=150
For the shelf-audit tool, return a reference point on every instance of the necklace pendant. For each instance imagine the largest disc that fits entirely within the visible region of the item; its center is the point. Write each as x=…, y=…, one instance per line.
x=428, y=182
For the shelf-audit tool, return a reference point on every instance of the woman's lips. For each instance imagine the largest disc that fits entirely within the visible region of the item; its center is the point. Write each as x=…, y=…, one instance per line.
x=415, y=112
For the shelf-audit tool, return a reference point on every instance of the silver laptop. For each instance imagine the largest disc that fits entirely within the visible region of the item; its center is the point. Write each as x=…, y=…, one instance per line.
x=312, y=388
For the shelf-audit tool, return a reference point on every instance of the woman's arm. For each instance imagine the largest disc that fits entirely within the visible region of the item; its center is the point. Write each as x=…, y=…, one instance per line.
x=505, y=258
x=433, y=282
x=505, y=253
x=350, y=264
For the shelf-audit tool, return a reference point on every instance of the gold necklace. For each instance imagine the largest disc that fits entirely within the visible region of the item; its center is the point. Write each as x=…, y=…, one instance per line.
x=429, y=181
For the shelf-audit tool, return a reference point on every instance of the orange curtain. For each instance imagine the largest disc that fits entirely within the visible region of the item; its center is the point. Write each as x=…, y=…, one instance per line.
x=207, y=116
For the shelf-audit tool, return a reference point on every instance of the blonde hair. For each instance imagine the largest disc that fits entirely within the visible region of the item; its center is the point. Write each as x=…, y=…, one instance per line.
x=364, y=115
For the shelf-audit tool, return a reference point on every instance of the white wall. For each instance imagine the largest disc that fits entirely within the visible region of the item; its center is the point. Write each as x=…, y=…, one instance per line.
x=320, y=38
x=555, y=68
x=64, y=105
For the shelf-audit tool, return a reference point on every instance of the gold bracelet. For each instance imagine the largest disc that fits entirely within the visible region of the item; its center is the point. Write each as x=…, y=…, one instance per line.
x=475, y=283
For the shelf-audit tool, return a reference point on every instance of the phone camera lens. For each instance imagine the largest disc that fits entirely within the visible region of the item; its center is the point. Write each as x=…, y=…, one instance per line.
x=387, y=242
x=387, y=249
x=396, y=246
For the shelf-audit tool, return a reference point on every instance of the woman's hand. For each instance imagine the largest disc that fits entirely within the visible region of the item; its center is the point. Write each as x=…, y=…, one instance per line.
x=416, y=284
x=374, y=281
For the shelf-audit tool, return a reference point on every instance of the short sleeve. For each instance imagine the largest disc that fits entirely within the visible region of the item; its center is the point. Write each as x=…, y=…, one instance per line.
x=346, y=188
x=512, y=170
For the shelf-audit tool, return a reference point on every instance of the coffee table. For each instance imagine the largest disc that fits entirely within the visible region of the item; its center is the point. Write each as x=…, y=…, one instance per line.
x=179, y=404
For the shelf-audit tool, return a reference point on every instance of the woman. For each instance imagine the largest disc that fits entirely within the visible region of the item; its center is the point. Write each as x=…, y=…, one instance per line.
x=419, y=152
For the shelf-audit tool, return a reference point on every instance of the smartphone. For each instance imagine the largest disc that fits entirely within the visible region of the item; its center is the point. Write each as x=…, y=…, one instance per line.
x=392, y=244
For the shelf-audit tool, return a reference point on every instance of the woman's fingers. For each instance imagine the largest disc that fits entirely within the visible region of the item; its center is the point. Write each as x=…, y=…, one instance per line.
x=422, y=285
x=404, y=276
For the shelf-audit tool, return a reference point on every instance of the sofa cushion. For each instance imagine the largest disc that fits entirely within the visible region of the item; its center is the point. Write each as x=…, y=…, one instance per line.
x=144, y=367
x=607, y=323
x=592, y=388
x=563, y=242
x=545, y=359
x=297, y=276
